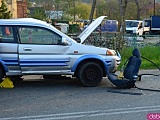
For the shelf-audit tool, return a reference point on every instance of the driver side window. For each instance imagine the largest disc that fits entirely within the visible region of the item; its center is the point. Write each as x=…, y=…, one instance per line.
x=36, y=35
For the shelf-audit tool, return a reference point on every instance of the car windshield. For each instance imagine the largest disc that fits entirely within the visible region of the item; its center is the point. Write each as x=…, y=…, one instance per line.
x=67, y=37
x=132, y=23
x=147, y=23
x=128, y=23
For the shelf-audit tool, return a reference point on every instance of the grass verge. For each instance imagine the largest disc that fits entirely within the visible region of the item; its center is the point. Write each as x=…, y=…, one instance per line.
x=150, y=52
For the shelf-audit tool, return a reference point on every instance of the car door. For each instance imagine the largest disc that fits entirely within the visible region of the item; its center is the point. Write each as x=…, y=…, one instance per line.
x=8, y=49
x=41, y=52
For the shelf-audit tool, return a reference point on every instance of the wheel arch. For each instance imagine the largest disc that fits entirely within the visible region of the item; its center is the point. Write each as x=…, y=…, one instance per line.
x=84, y=59
x=3, y=67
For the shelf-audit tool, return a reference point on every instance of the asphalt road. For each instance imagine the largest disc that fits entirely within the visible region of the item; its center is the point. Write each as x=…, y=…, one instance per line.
x=38, y=99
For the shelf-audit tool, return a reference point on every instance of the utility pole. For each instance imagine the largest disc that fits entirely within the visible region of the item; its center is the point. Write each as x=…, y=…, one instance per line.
x=74, y=10
x=120, y=11
x=92, y=11
x=154, y=7
x=122, y=23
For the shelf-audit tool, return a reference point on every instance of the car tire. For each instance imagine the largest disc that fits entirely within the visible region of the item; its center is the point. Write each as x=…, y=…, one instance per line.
x=146, y=34
x=1, y=75
x=90, y=74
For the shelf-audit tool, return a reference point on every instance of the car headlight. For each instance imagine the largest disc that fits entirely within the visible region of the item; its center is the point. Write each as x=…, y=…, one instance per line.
x=111, y=53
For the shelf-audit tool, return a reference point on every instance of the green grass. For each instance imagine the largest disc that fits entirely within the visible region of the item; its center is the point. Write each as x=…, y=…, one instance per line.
x=150, y=52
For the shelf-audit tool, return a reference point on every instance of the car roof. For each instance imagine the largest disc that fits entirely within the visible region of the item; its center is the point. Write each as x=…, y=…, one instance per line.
x=23, y=21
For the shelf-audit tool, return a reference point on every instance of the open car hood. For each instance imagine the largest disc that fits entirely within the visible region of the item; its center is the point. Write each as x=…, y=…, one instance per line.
x=86, y=32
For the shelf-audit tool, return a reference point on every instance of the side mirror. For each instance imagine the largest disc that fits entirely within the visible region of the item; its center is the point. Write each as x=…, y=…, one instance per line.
x=64, y=42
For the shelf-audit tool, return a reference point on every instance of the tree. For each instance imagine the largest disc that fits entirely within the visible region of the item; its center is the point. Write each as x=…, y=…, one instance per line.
x=131, y=11
x=82, y=10
x=69, y=2
x=111, y=10
x=38, y=13
x=4, y=13
x=138, y=9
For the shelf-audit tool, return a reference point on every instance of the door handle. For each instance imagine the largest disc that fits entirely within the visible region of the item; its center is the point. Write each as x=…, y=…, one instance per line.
x=27, y=49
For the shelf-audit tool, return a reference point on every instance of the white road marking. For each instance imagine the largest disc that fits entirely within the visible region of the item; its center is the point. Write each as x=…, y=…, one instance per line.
x=70, y=115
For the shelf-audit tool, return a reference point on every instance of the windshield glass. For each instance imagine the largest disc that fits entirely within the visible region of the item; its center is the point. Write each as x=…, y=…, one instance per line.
x=62, y=34
x=132, y=23
x=128, y=23
x=147, y=23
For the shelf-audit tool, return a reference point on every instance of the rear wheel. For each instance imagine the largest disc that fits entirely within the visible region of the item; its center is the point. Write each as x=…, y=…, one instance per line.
x=90, y=74
x=1, y=75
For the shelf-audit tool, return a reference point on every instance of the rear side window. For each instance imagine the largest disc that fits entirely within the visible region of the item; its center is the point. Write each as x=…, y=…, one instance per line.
x=6, y=34
x=36, y=35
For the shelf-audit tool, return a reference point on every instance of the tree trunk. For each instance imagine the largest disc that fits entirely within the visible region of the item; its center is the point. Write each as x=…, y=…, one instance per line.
x=92, y=11
x=138, y=9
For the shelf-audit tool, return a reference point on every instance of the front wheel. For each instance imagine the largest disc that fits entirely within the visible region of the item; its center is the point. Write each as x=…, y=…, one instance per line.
x=145, y=34
x=90, y=74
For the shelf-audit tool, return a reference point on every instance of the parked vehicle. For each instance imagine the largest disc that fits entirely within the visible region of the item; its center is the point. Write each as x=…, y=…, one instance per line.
x=33, y=47
x=150, y=26
x=63, y=27
x=133, y=26
x=108, y=26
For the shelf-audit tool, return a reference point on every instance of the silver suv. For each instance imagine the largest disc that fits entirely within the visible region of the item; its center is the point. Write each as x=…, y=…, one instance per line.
x=33, y=47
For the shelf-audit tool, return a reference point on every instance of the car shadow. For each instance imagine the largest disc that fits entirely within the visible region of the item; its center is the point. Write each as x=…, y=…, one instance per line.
x=71, y=84
x=47, y=83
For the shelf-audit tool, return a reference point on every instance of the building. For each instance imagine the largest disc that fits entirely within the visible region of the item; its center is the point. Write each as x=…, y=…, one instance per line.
x=18, y=8
x=21, y=8
x=54, y=14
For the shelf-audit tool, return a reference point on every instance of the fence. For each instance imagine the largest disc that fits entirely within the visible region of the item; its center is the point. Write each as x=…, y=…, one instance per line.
x=117, y=41
x=149, y=45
